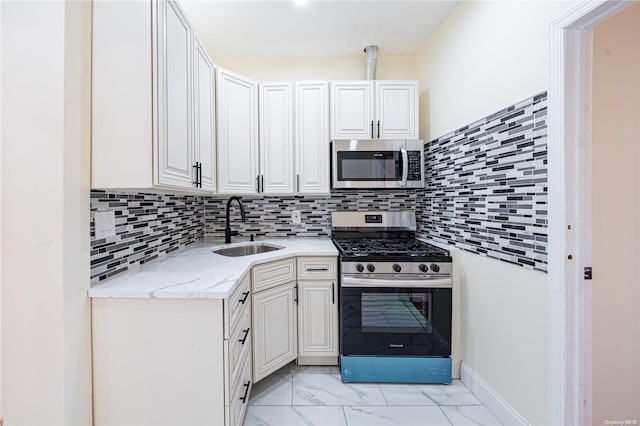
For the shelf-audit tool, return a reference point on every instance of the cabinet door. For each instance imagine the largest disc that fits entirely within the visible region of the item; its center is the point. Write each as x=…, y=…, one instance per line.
x=276, y=138
x=274, y=329
x=352, y=110
x=204, y=114
x=174, y=89
x=312, y=137
x=397, y=109
x=318, y=319
x=237, y=133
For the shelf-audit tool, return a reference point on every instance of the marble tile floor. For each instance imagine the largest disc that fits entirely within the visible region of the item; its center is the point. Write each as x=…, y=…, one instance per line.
x=315, y=396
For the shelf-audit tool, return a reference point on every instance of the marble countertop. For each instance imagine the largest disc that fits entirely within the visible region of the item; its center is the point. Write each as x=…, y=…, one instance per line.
x=195, y=272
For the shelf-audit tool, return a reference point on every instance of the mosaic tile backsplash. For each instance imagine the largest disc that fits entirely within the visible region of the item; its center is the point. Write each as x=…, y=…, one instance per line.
x=148, y=226
x=486, y=186
x=271, y=216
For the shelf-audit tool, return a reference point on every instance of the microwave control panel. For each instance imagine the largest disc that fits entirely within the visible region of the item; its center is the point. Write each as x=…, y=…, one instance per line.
x=415, y=168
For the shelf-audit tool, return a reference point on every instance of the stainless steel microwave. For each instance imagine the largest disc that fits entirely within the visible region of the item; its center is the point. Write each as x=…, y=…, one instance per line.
x=385, y=164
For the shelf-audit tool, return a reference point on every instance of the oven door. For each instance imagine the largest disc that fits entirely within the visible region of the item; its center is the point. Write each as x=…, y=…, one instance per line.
x=377, y=164
x=395, y=316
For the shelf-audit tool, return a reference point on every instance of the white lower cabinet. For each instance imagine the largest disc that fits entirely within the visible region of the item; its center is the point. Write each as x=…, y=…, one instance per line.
x=274, y=329
x=318, y=323
x=318, y=342
x=172, y=362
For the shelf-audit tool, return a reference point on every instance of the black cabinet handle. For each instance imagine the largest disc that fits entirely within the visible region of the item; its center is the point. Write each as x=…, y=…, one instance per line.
x=244, y=299
x=246, y=334
x=246, y=391
x=200, y=174
x=195, y=166
x=262, y=183
x=333, y=293
x=378, y=129
x=297, y=183
x=317, y=269
x=296, y=294
x=371, y=129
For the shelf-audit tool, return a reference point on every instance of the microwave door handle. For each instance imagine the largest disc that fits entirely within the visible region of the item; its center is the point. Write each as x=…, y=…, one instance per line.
x=405, y=166
x=400, y=283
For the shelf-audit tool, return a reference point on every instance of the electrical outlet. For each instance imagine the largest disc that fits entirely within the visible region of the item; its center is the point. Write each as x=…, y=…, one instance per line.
x=105, y=224
x=295, y=217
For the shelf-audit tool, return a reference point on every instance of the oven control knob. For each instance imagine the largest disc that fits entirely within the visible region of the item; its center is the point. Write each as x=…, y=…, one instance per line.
x=397, y=268
x=423, y=268
x=435, y=268
x=359, y=267
x=371, y=268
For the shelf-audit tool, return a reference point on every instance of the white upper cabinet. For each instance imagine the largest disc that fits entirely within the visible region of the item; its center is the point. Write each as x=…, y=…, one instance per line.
x=352, y=110
x=380, y=109
x=312, y=137
x=237, y=106
x=294, y=138
x=174, y=96
x=204, y=118
x=396, y=109
x=276, y=138
x=152, y=99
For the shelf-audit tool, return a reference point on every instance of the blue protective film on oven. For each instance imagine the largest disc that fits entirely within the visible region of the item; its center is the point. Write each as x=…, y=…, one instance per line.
x=394, y=369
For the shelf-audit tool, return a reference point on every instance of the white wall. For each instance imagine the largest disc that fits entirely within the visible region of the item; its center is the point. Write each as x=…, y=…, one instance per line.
x=46, y=376
x=486, y=56
x=390, y=67
x=616, y=218
x=503, y=331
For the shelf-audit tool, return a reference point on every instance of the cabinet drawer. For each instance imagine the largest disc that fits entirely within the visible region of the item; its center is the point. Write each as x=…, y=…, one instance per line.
x=310, y=268
x=234, y=304
x=240, y=395
x=236, y=348
x=272, y=274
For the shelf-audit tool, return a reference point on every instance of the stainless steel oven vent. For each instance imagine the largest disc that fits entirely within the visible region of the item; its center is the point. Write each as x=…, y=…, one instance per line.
x=372, y=60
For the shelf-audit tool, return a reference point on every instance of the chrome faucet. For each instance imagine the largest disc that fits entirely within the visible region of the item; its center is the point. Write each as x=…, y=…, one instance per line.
x=228, y=233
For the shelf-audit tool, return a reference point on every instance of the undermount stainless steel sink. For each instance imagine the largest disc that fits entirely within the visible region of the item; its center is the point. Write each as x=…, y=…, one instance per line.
x=247, y=250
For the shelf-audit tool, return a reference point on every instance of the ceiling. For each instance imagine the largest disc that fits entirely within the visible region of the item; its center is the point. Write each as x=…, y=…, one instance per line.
x=242, y=28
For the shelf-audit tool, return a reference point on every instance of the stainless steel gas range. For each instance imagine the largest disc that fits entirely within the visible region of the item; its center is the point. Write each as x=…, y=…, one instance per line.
x=395, y=300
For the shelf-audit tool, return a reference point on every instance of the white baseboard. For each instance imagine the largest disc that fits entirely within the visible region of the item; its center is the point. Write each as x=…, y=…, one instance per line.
x=490, y=398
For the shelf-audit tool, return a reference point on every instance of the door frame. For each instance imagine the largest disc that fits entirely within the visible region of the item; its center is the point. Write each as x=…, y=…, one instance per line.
x=569, y=381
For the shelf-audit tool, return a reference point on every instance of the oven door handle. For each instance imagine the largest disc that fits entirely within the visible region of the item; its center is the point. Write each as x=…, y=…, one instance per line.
x=400, y=283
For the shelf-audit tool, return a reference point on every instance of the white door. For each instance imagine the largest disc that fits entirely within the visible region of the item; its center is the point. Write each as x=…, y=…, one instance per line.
x=312, y=136
x=318, y=319
x=396, y=110
x=274, y=329
x=352, y=110
x=237, y=125
x=276, y=138
x=204, y=122
x=174, y=103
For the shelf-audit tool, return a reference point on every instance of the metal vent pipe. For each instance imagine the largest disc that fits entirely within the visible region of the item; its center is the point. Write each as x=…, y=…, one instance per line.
x=372, y=59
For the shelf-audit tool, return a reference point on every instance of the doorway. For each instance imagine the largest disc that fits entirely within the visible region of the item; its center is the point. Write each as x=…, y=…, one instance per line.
x=594, y=152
